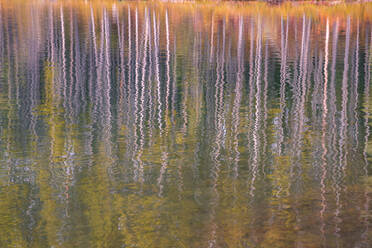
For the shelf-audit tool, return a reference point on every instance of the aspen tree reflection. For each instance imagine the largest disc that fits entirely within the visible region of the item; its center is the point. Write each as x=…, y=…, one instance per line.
x=172, y=125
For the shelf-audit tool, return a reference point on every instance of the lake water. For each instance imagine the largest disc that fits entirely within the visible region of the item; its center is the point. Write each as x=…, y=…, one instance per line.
x=185, y=125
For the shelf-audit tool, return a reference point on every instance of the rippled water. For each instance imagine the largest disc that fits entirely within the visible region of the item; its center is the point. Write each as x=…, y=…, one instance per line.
x=183, y=125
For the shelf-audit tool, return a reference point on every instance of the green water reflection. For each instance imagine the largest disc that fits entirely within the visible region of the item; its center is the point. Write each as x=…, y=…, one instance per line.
x=145, y=125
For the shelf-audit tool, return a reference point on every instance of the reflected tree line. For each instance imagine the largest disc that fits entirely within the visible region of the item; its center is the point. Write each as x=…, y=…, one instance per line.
x=133, y=126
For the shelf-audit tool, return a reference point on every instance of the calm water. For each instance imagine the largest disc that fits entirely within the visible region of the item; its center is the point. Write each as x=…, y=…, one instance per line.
x=165, y=125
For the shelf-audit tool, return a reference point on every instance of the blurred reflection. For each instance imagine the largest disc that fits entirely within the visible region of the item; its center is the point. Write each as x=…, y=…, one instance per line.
x=161, y=125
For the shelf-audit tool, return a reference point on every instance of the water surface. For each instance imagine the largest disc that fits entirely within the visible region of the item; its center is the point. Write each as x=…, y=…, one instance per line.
x=178, y=125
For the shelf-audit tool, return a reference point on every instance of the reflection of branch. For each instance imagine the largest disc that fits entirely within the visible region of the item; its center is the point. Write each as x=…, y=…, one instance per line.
x=255, y=135
x=158, y=86
x=343, y=130
x=324, y=126
x=283, y=80
x=167, y=88
x=238, y=96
